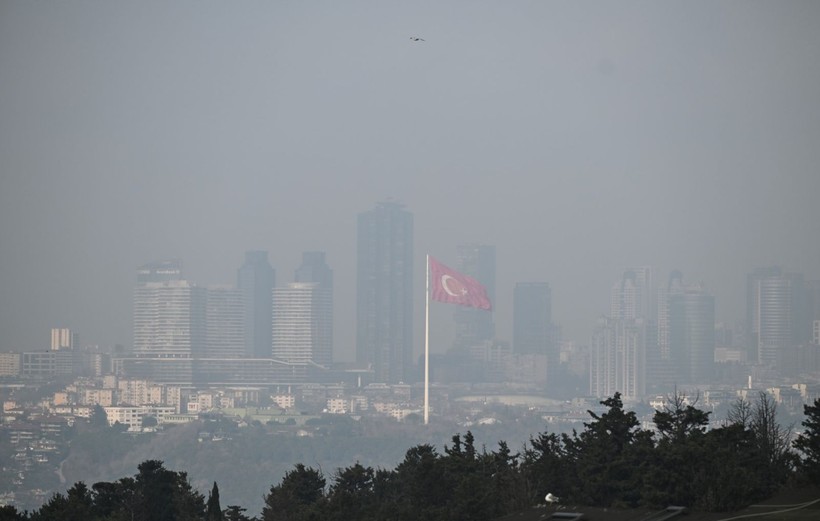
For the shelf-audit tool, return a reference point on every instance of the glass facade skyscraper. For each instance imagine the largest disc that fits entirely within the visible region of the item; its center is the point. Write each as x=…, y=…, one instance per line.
x=225, y=323
x=692, y=334
x=256, y=279
x=315, y=269
x=776, y=317
x=532, y=319
x=384, y=292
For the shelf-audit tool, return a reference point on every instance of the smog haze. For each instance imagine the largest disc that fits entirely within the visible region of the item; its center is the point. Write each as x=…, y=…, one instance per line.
x=578, y=138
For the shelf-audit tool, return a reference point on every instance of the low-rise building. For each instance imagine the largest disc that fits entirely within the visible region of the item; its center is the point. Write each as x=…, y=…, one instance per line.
x=285, y=401
x=132, y=416
x=10, y=364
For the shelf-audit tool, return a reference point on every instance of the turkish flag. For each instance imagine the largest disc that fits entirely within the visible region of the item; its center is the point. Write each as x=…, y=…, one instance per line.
x=448, y=285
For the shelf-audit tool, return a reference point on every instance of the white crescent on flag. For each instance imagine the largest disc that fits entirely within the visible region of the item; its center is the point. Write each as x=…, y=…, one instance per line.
x=445, y=284
x=452, y=287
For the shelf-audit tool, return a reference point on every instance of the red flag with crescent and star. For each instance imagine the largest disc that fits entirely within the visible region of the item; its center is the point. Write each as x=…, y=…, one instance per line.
x=448, y=285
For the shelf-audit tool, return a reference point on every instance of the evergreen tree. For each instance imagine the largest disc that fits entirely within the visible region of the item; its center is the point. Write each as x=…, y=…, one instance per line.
x=213, y=512
x=352, y=493
x=607, y=466
x=236, y=513
x=419, y=478
x=298, y=498
x=808, y=443
x=670, y=474
x=75, y=505
x=155, y=487
x=10, y=513
x=116, y=500
x=545, y=467
x=727, y=475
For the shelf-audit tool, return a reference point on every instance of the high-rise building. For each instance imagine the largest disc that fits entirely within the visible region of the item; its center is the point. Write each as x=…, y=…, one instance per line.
x=160, y=271
x=534, y=334
x=64, y=338
x=630, y=331
x=673, y=287
x=692, y=334
x=532, y=318
x=169, y=319
x=384, y=292
x=475, y=326
x=225, y=323
x=256, y=280
x=813, y=311
x=633, y=297
x=616, y=358
x=315, y=269
x=303, y=324
x=660, y=369
x=775, y=315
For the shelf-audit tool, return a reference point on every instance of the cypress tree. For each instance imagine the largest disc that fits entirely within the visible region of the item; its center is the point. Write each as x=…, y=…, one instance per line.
x=214, y=510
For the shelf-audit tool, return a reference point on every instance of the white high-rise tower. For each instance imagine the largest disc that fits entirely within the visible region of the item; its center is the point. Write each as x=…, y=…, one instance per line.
x=303, y=324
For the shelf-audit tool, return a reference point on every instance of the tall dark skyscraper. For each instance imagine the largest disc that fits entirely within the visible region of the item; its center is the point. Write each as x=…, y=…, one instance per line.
x=661, y=373
x=692, y=334
x=475, y=326
x=256, y=279
x=314, y=269
x=384, y=292
x=776, y=317
x=813, y=311
x=533, y=330
x=532, y=318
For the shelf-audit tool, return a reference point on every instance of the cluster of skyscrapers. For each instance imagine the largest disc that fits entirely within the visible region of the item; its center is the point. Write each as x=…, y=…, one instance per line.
x=657, y=335
x=661, y=336
x=188, y=333
x=184, y=331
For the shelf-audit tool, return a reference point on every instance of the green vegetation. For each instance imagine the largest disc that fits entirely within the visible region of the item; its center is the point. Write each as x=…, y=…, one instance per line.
x=611, y=463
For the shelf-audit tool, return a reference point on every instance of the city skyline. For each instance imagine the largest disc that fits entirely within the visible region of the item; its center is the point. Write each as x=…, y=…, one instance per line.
x=577, y=140
x=172, y=279
x=656, y=336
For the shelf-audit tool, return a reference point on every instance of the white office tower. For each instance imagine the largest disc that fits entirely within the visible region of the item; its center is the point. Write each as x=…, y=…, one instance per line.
x=169, y=319
x=303, y=324
x=634, y=296
x=617, y=358
x=624, y=338
x=225, y=323
x=775, y=316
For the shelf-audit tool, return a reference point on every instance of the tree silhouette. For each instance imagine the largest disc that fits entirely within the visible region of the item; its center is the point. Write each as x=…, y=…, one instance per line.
x=213, y=512
x=297, y=498
x=808, y=442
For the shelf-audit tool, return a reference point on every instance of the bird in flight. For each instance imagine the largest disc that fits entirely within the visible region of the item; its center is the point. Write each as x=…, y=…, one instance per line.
x=417, y=39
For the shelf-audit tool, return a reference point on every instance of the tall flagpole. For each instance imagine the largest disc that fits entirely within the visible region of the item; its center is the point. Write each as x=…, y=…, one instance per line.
x=427, y=344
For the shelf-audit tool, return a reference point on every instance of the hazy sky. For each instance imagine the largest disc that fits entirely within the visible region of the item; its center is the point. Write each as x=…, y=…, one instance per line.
x=578, y=137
